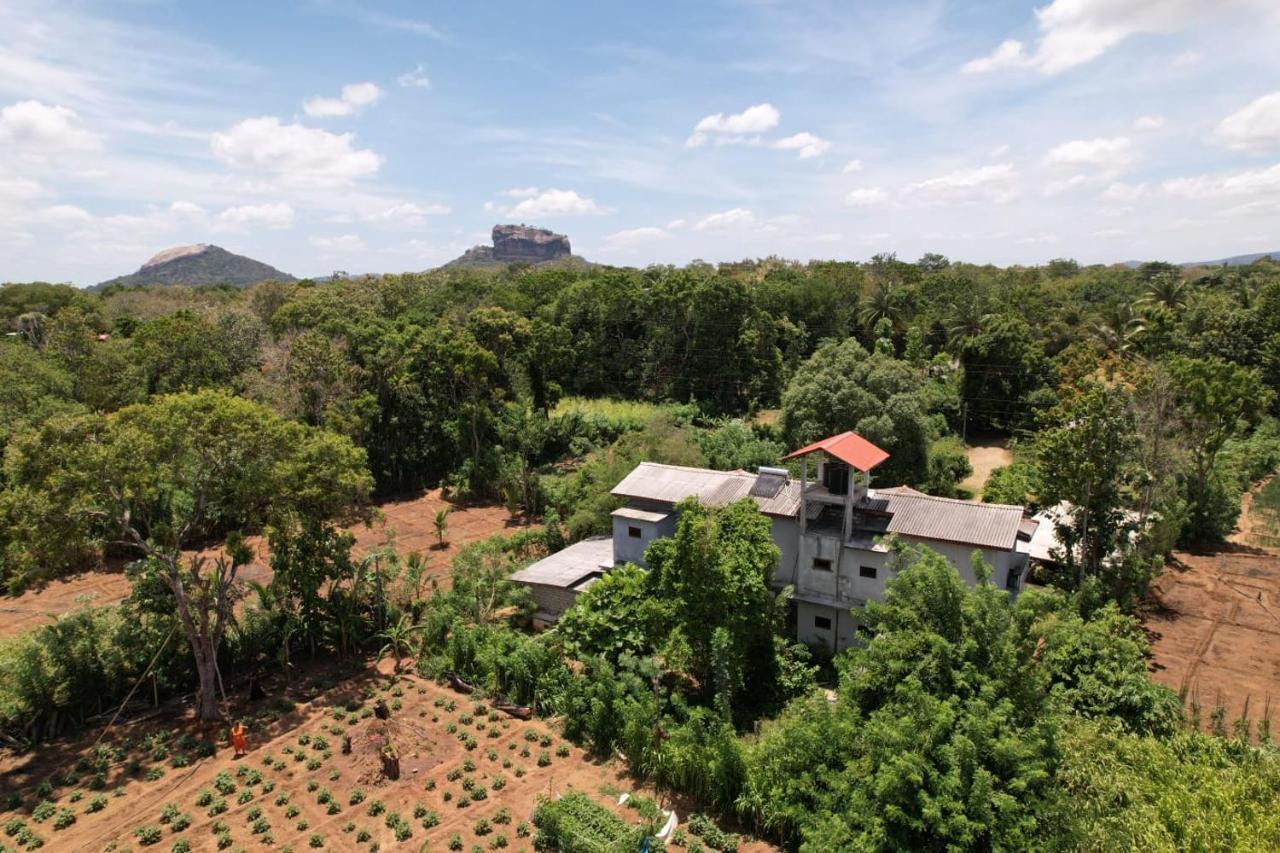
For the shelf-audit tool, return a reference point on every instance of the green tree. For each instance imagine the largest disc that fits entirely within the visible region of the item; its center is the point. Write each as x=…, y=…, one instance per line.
x=1006, y=374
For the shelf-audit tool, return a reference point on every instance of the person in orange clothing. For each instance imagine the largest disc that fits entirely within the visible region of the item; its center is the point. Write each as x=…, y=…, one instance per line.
x=238, y=739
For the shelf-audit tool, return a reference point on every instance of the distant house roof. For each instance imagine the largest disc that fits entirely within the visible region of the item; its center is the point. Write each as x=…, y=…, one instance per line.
x=670, y=484
x=924, y=516
x=639, y=514
x=848, y=447
x=571, y=567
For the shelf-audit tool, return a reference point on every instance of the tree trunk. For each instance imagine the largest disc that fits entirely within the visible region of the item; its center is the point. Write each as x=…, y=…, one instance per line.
x=206, y=668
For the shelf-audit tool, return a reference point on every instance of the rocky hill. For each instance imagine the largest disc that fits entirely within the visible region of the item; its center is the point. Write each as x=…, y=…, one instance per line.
x=200, y=264
x=520, y=244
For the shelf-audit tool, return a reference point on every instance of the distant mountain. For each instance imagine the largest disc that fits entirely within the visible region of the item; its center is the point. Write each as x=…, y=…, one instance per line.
x=200, y=264
x=1236, y=260
x=520, y=244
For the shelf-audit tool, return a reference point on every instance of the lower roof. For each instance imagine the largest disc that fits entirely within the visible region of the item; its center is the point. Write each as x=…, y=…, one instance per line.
x=568, y=567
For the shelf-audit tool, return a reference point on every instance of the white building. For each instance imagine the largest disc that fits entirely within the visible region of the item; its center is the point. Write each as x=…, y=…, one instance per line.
x=831, y=532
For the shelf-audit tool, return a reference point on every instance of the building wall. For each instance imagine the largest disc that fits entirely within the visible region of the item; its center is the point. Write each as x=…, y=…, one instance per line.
x=552, y=601
x=786, y=535
x=841, y=634
x=628, y=549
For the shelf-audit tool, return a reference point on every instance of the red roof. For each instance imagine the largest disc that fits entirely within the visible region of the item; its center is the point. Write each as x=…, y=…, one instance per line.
x=848, y=447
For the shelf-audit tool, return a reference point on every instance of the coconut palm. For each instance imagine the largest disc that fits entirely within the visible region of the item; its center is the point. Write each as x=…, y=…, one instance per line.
x=882, y=302
x=442, y=523
x=1167, y=289
x=1119, y=328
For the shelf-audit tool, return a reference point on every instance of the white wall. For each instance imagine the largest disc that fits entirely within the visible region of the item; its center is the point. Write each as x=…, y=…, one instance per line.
x=627, y=549
x=837, y=638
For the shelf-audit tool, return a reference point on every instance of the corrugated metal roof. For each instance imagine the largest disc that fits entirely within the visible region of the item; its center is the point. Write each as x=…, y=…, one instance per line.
x=848, y=447
x=947, y=519
x=639, y=514
x=670, y=484
x=569, y=566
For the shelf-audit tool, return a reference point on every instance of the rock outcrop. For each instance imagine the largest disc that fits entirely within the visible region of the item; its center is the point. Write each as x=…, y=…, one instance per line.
x=516, y=243
x=520, y=244
x=200, y=264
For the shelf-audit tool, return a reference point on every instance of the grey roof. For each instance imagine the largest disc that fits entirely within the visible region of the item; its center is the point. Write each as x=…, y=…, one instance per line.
x=670, y=484
x=568, y=567
x=947, y=519
x=640, y=514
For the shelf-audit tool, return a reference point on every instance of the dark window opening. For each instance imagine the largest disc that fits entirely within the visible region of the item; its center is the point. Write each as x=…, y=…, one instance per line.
x=633, y=532
x=822, y=564
x=867, y=571
x=835, y=476
x=1015, y=577
x=822, y=623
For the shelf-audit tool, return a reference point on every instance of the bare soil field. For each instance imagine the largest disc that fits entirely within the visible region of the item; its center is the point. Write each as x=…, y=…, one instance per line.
x=409, y=524
x=1214, y=623
x=465, y=770
x=984, y=458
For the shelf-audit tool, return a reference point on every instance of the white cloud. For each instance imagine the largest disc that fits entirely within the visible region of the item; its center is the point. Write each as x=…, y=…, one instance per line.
x=807, y=144
x=1148, y=122
x=555, y=203
x=406, y=213
x=13, y=188
x=274, y=215
x=415, y=79
x=521, y=192
x=1238, y=184
x=335, y=245
x=1009, y=54
x=866, y=197
x=1255, y=127
x=851, y=167
x=1103, y=153
x=296, y=154
x=42, y=129
x=186, y=209
x=729, y=220
x=1123, y=192
x=1065, y=185
x=633, y=238
x=993, y=183
x=64, y=214
x=752, y=121
x=999, y=151
x=1073, y=32
x=354, y=98
x=676, y=224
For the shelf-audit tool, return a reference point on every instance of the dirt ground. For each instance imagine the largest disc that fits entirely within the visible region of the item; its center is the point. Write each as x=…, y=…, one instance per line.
x=1215, y=629
x=460, y=762
x=410, y=524
x=984, y=457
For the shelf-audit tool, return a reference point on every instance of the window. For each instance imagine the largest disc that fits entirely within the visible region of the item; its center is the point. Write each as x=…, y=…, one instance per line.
x=822, y=564
x=822, y=623
x=867, y=571
x=633, y=532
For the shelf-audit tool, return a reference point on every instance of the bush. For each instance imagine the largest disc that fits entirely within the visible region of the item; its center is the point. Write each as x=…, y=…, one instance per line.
x=65, y=818
x=147, y=835
x=577, y=824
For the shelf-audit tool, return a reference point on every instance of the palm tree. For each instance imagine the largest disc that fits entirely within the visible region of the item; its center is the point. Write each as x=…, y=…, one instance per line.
x=1119, y=328
x=442, y=523
x=397, y=638
x=966, y=321
x=881, y=302
x=1167, y=289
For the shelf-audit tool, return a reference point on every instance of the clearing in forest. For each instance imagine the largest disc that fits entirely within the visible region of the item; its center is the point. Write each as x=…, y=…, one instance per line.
x=469, y=778
x=984, y=458
x=408, y=524
x=1214, y=624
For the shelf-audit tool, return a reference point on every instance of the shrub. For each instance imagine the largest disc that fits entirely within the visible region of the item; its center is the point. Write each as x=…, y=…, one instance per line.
x=204, y=798
x=356, y=798
x=43, y=811
x=180, y=822
x=376, y=808
x=168, y=813
x=222, y=782
x=291, y=811
x=260, y=826
x=430, y=819
x=482, y=827
x=65, y=818
x=252, y=814
x=455, y=842
x=349, y=826
x=544, y=758
x=362, y=836
x=502, y=816
x=147, y=835
x=224, y=840
x=217, y=807
x=316, y=840
x=182, y=845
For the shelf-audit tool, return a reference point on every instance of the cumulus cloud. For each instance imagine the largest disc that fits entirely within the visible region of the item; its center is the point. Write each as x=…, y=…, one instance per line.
x=555, y=203
x=995, y=183
x=274, y=215
x=866, y=197
x=1124, y=193
x=415, y=79
x=1149, y=122
x=805, y=144
x=39, y=128
x=852, y=166
x=354, y=98
x=1073, y=32
x=296, y=154
x=339, y=244
x=1103, y=153
x=406, y=213
x=14, y=188
x=633, y=238
x=64, y=214
x=752, y=121
x=729, y=220
x=1255, y=127
x=1251, y=182
x=1009, y=54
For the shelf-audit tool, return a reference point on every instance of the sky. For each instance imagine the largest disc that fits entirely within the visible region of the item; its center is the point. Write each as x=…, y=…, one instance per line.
x=319, y=135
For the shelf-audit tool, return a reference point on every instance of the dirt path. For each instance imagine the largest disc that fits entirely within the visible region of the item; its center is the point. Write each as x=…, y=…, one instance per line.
x=984, y=458
x=464, y=770
x=409, y=524
x=1215, y=630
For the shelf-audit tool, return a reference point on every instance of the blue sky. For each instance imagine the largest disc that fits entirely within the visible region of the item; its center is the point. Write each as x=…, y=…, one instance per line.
x=318, y=135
